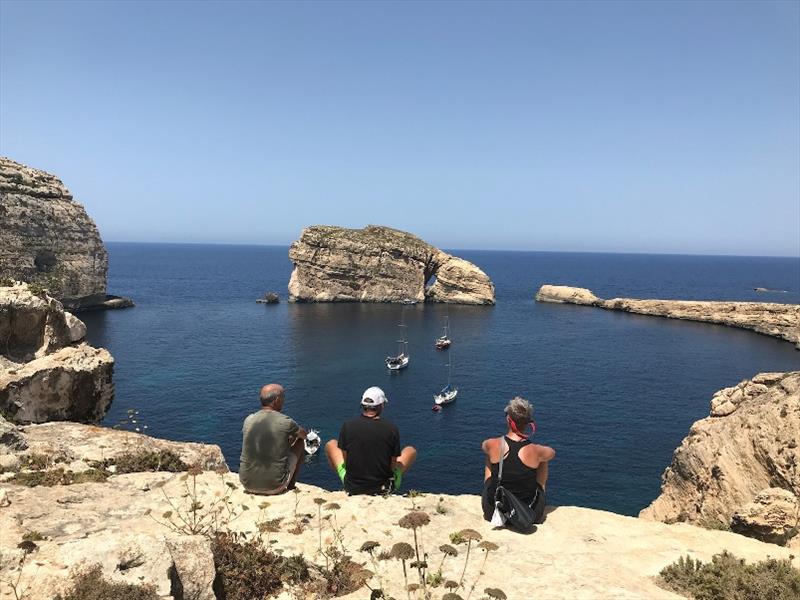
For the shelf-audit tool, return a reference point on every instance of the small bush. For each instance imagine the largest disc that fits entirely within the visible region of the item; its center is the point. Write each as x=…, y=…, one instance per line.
x=247, y=570
x=58, y=477
x=37, y=290
x=32, y=536
x=91, y=585
x=7, y=281
x=147, y=460
x=731, y=578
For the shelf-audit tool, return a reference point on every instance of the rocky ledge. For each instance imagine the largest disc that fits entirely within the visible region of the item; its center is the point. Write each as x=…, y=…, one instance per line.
x=773, y=319
x=740, y=467
x=145, y=524
x=380, y=264
x=47, y=371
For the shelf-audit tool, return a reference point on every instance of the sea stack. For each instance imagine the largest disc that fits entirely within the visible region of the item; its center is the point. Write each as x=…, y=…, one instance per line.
x=48, y=239
x=380, y=264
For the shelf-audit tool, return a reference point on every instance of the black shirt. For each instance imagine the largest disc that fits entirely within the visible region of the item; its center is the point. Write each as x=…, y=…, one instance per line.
x=370, y=444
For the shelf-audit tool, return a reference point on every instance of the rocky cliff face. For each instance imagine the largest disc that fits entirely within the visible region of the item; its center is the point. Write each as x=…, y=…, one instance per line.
x=131, y=525
x=380, y=264
x=46, y=237
x=741, y=465
x=777, y=320
x=47, y=372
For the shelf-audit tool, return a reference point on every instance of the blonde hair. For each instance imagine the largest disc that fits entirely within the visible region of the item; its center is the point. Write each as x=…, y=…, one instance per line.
x=520, y=411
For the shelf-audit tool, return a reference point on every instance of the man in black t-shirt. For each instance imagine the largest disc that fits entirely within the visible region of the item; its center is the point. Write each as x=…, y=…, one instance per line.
x=367, y=456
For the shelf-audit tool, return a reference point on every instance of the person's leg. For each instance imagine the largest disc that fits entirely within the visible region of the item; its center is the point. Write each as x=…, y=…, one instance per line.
x=295, y=460
x=407, y=457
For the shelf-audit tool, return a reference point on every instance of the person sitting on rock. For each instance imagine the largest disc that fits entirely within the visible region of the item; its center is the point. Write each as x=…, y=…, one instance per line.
x=524, y=463
x=367, y=456
x=272, y=446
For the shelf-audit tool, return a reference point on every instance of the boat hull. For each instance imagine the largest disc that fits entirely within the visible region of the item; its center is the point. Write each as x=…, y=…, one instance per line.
x=446, y=398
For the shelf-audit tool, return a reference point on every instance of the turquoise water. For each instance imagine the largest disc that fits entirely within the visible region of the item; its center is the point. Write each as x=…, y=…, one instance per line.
x=614, y=393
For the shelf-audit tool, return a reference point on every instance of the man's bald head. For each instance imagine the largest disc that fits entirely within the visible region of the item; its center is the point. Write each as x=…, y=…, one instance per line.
x=272, y=395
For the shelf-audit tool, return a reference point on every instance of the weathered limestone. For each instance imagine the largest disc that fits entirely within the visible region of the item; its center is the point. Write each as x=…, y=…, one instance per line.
x=773, y=516
x=748, y=444
x=380, y=264
x=776, y=320
x=46, y=372
x=47, y=238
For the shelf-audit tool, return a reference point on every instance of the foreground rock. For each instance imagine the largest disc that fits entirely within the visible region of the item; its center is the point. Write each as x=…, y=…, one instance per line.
x=740, y=466
x=776, y=320
x=380, y=264
x=47, y=238
x=47, y=372
x=129, y=524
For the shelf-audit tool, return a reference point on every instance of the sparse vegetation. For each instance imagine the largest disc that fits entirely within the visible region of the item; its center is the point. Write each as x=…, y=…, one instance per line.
x=89, y=584
x=147, y=460
x=59, y=476
x=729, y=577
x=37, y=289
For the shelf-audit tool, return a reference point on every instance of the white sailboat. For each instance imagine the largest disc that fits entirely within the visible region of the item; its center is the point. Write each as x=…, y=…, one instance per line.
x=400, y=361
x=443, y=341
x=312, y=442
x=449, y=392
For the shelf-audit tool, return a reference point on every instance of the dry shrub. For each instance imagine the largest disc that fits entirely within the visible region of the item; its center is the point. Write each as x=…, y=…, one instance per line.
x=89, y=584
x=731, y=578
x=246, y=570
x=58, y=476
x=147, y=460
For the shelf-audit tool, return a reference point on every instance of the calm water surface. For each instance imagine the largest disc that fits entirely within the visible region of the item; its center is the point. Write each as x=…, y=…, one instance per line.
x=614, y=393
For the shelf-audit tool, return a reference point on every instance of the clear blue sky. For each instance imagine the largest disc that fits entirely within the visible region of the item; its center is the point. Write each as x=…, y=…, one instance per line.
x=637, y=126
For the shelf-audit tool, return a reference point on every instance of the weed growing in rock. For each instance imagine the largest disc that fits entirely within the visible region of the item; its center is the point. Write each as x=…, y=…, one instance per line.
x=414, y=520
x=468, y=536
x=89, y=584
x=731, y=578
x=58, y=476
x=146, y=460
x=19, y=590
x=32, y=536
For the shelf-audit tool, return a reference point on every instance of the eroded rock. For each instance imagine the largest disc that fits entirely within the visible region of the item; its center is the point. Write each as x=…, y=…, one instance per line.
x=380, y=264
x=773, y=516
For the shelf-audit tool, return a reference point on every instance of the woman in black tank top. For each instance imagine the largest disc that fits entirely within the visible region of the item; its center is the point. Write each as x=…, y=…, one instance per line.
x=522, y=480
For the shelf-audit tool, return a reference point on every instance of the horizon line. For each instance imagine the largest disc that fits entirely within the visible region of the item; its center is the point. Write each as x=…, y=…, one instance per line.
x=621, y=252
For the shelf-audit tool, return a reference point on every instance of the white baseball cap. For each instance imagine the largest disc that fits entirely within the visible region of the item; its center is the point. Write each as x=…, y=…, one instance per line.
x=373, y=396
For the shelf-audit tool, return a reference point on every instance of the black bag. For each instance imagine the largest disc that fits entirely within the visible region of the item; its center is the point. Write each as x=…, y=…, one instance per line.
x=515, y=513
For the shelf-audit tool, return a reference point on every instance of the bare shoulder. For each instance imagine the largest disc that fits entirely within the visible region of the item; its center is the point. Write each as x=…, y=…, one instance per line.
x=544, y=453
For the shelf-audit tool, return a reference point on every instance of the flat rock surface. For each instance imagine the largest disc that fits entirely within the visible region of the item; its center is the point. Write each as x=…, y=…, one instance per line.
x=380, y=264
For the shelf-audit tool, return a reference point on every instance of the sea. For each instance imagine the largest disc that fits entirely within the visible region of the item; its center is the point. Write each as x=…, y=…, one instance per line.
x=614, y=393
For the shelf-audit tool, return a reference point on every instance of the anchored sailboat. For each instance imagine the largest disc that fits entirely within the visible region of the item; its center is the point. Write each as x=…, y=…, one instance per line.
x=400, y=361
x=443, y=341
x=449, y=392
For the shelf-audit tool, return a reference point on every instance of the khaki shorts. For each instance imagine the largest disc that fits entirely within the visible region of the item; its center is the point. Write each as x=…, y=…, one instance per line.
x=291, y=464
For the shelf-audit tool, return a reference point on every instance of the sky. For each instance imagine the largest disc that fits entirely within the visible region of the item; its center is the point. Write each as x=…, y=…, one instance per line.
x=592, y=126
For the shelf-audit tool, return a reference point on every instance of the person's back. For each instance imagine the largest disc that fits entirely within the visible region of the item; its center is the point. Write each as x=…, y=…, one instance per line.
x=371, y=445
x=271, y=445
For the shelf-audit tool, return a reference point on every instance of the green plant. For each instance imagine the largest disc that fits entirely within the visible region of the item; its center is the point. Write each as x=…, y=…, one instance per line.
x=731, y=578
x=32, y=536
x=147, y=460
x=37, y=289
x=89, y=584
x=58, y=476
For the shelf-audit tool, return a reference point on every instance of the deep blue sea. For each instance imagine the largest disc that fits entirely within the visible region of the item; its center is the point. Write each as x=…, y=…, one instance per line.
x=614, y=393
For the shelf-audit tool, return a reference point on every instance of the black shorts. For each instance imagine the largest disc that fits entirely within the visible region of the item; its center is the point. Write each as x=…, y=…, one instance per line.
x=487, y=501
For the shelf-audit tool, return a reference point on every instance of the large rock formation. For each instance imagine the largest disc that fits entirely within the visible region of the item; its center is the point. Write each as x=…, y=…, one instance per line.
x=731, y=462
x=380, y=264
x=47, y=372
x=47, y=238
x=777, y=320
x=131, y=525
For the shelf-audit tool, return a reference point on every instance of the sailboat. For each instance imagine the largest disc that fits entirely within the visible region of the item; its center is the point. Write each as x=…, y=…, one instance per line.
x=443, y=341
x=400, y=361
x=449, y=392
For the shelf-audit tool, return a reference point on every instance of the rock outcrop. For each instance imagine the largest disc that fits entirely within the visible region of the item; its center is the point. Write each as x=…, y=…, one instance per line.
x=47, y=372
x=731, y=462
x=130, y=524
x=380, y=264
x=47, y=238
x=773, y=319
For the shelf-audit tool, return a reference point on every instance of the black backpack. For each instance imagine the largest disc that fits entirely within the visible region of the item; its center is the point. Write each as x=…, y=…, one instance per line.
x=516, y=514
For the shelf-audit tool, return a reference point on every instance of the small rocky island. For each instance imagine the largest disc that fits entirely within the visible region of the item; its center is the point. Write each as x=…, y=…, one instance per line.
x=380, y=264
x=47, y=239
x=768, y=318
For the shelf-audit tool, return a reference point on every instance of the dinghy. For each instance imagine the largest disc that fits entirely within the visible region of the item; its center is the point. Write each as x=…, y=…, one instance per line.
x=312, y=442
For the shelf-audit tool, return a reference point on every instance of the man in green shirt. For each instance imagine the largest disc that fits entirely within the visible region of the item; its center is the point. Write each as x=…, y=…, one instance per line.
x=272, y=446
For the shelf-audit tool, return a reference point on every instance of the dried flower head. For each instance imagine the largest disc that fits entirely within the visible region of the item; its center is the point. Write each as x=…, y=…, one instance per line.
x=384, y=555
x=319, y=501
x=369, y=546
x=488, y=546
x=412, y=587
x=331, y=506
x=195, y=470
x=414, y=519
x=448, y=550
x=450, y=584
x=402, y=551
x=419, y=564
x=495, y=593
x=451, y=596
x=221, y=469
x=469, y=534
x=27, y=546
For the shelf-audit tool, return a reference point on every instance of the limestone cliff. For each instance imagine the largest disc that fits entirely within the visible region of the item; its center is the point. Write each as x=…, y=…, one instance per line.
x=773, y=319
x=741, y=465
x=131, y=524
x=380, y=264
x=47, y=371
x=46, y=237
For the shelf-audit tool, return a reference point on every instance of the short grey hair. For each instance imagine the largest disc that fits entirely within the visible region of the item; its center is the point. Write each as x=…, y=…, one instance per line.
x=520, y=411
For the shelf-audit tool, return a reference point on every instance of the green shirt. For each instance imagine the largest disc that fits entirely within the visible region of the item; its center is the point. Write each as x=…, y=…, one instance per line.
x=264, y=464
